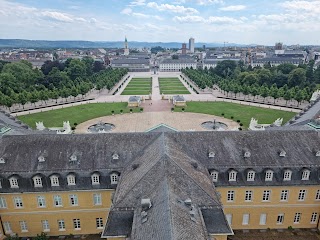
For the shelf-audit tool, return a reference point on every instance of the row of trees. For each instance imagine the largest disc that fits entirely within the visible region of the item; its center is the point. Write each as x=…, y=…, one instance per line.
x=20, y=83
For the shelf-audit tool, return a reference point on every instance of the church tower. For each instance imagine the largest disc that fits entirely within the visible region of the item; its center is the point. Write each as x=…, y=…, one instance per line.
x=126, y=48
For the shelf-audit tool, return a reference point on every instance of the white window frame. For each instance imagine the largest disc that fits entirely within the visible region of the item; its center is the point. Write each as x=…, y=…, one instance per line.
x=280, y=218
x=230, y=196
x=287, y=175
x=245, y=219
x=41, y=201
x=23, y=226
x=18, y=203
x=3, y=202
x=97, y=200
x=229, y=219
x=284, y=195
x=248, y=196
x=99, y=223
x=71, y=179
x=76, y=224
x=269, y=175
x=14, y=182
x=57, y=201
x=305, y=175
x=95, y=179
x=214, y=175
x=317, y=197
x=263, y=219
x=45, y=226
x=61, y=225
x=266, y=196
x=114, y=178
x=251, y=175
x=7, y=227
x=54, y=181
x=302, y=195
x=314, y=218
x=297, y=218
x=232, y=176
x=37, y=181
x=73, y=200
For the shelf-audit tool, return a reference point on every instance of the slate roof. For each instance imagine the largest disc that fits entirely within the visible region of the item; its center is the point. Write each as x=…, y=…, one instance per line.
x=130, y=61
x=15, y=125
x=134, y=99
x=177, y=61
x=179, y=98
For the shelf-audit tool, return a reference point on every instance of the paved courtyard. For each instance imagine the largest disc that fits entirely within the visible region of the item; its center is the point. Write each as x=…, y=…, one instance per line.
x=140, y=122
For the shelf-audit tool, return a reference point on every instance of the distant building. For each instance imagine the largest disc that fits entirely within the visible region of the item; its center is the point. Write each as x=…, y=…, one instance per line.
x=278, y=48
x=126, y=48
x=191, y=45
x=134, y=64
x=175, y=65
x=184, y=49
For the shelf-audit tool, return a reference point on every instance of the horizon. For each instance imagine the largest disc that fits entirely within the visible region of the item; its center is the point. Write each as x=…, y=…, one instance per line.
x=211, y=21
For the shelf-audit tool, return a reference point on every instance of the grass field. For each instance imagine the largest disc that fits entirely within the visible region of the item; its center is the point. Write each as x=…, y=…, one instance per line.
x=138, y=86
x=172, y=86
x=77, y=114
x=244, y=113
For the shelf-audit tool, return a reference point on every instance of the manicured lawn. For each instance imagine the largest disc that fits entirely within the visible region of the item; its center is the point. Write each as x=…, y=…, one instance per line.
x=77, y=114
x=172, y=86
x=138, y=86
x=240, y=112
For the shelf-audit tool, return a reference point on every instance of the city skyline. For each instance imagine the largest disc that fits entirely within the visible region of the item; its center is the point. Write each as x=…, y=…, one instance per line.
x=211, y=21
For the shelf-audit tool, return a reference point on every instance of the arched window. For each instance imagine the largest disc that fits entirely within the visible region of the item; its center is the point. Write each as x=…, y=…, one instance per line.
x=54, y=180
x=305, y=174
x=287, y=175
x=14, y=182
x=71, y=179
x=232, y=176
x=37, y=181
x=95, y=179
x=114, y=178
x=269, y=175
x=251, y=175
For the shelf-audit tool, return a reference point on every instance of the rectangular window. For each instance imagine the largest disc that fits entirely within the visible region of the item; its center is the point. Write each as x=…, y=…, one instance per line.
x=3, y=202
x=73, y=200
x=229, y=218
x=97, y=199
x=302, y=195
x=23, y=226
x=263, y=219
x=18, y=202
x=245, y=219
x=284, y=195
x=280, y=218
x=99, y=223
x=266, y=195
x=297, y=218
x=61, y=225
x=230, y=196
x=41, y=201
x=76, y=224
x=57, y=201
x=318, y=195
x=7, y=227
x=45, y=225
x=248, y=196
x=314, y=218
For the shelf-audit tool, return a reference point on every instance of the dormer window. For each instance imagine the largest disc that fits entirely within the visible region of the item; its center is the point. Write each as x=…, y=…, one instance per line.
x=247, y=154
x=211, y=154
x=73, y=158
x=114, y=178
x=115, y=156
x=318, y=154
x=71, y=179
x=287, y=175
x=37, y=181
x=41, y=159
x=2, y=160
x=232, y=176
x=269, y=175
x=54, y=180
x=305, y=174
x=282, y=153
x=251, y=175
x=214, y=175
x=13, y=182
x=95, y=179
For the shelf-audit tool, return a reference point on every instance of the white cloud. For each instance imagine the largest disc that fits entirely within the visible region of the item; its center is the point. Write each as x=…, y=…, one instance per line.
x=233, y=8
x=130, y=12
x=172, y=8
x=126, y=11
x=209, y=20
x=208, y=2
x=137, y=3
x=298, y=5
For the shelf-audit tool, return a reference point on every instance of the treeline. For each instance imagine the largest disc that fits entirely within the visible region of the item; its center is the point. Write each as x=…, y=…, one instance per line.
x=20, y=83
x=286, y=80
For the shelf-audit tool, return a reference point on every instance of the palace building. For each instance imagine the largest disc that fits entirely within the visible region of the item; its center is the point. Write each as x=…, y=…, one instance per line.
x=159, y=184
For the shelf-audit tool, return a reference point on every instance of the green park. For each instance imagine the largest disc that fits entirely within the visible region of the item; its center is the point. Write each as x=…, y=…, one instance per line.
x=172, y=86
x=138, y=86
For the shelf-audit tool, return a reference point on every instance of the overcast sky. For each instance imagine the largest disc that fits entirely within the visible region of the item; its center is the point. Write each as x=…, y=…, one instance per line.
x=236, y=21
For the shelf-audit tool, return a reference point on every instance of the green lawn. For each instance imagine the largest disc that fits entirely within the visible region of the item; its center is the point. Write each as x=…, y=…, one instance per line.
x=138, y=86
x=172, y=86
x=244, y=113
x=77, y=114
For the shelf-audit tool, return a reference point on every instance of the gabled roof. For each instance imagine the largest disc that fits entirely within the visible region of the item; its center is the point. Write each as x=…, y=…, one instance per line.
x=162, y=128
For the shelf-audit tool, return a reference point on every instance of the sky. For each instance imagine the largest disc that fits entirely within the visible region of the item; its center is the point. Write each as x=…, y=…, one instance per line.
x=213, y=21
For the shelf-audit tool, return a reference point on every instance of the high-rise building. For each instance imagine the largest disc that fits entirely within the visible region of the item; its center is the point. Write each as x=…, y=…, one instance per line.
x=191, y=45
x=184, y=48
x=126, y=48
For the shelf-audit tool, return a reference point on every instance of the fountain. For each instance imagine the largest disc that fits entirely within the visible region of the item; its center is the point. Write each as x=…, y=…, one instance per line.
x=101, y=127
x=214, y=125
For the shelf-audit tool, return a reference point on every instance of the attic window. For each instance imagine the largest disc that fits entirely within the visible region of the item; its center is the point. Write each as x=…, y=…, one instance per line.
x=41, y=159
x=211, y=154
x=73, y=158
x=282, y=153
x=214, y=175
x=247, y=154
x=115, y=156
x=317, y=154
x=2, y=160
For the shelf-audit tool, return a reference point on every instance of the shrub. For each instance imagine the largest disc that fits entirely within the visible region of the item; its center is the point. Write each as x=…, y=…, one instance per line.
x=75, y=124
x=290, y=228
x=240, y=129
x=231, y=117
x=130, y=109
x=241, y=124
x=238, y=121
x=182, y=109
x=112, y=112
x=222, y=114
x=172, y=109
x=73, y=128
x=141, y=109
x=121, y=111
